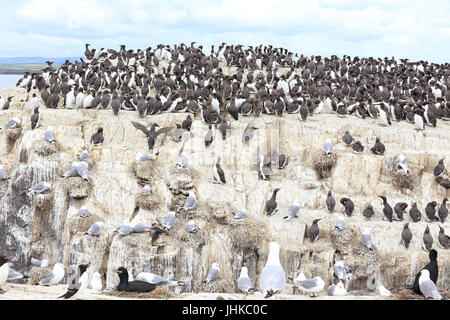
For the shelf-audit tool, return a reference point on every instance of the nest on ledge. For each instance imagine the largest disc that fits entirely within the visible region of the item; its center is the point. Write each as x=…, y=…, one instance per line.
x=323, y=164
x=44, y=201
x=150, y=202
x=143, y=170
x=11, y=137
x=76, y=187
x=45, y=148
x=443, y=181
x=400, y=179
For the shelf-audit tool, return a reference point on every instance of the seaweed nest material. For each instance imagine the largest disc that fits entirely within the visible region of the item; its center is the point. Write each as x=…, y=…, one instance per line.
x=45, y=148
x=37, y=274
x=341, y=238
x=143, y=170
x=11, y=137
x=218, y=285
x=150, y=202
x=247, y=233
x=323, y=164
x=158, y=293
x=44, y=201
x=76, y=187
x=400, y=179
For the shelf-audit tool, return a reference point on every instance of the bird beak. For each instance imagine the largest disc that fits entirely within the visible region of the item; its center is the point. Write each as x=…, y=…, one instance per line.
x=65, y=267
x=119, y=271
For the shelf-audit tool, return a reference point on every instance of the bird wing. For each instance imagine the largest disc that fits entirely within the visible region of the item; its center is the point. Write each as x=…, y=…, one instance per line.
x=190, y=202
x=163, y=130
x=48, y=278
x=244, y=283
x=212, y=274
x=308, y=283
x=140, y=127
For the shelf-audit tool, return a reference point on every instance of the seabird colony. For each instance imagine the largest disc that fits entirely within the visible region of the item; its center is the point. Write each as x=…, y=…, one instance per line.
x=193, y=82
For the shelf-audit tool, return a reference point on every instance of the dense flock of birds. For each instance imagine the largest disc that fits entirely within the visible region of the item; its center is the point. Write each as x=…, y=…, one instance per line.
x=194, y=82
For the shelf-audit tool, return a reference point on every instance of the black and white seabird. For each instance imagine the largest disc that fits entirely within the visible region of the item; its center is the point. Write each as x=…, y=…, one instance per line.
x=439, y=170
x=219, y=174
x=152, y=134
x=97, y=138
x=313, y=231
x=368, y=212
x=444, y=240
x=378, y=148
x=400, y=209
x=432, y=267
x=430, y=211
x=35, y=118
x=79, y=282
x=406, y=235
x=414, y=213
x=348, y=139
x=427, y=286
x=271, y=204
x=443, y=211
x=357, y=147
x=132, y=286
x=349, y=206
x=387, y=209
x=427, y=239
x=330, y=202
x=4, y=266
x=209, y=136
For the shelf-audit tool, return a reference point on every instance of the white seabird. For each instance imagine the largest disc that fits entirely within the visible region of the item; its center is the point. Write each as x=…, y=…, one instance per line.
x=145, y=157
x=169, y=220
x=311, y=286
x=3, y=174
x=96, y=282
x=213, y=273
x=95, y=228
x=328, y=147
x=293, y=210
x=54, y=276
x=156, y=279
x=340, y=223
x=12, y=123
x=367, y=238
x=146, y=191
x=39, y=188
x=427, y=286
x=244, y=281
x=401, y=163
x=39, y=263
x=382, y=291
x=191, y=202
x=273, y=278
x=49, y=135
x=337, y=289
x=182, y=161
x=241, y=214
x=192, y=226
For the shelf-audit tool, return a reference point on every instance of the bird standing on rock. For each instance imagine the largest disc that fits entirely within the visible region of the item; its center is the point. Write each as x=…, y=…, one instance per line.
x=387, y=210
x=271, y=204
x=97, y=138
x=313, y=230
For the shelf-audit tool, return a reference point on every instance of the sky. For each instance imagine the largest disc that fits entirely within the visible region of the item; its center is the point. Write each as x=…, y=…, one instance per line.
x=417, y=30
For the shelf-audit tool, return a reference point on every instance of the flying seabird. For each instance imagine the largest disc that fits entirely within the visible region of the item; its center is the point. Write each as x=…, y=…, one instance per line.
x=273, y=278
x=132, y=286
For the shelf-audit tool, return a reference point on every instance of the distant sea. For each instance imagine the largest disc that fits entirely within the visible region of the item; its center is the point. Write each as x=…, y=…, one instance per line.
x=9, y=80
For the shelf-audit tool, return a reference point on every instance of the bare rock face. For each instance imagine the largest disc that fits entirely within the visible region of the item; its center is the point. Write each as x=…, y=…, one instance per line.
x=48, y=225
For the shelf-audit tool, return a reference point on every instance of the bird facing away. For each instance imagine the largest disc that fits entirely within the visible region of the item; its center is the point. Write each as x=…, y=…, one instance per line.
x=406, y=235
x=273, y=278
x=330, y=202
x=427, y=239
x=244, y=281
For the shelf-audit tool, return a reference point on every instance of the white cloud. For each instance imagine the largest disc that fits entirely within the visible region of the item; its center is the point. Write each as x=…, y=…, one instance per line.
x=412, y=29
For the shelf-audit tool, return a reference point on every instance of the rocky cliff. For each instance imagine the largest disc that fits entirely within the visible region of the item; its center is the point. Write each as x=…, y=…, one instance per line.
x=49, y=225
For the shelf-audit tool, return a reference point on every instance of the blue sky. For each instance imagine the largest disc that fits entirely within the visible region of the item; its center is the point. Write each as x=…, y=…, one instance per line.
x=418, y=30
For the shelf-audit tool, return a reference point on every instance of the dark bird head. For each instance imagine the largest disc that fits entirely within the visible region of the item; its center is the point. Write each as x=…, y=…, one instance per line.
x=36, y=110
x=383, y=198
x=316, y=220
x=276, y=190
x=433, y=203
x=427, y=230
x=100, y=129
x=123, y=273
x=406, y=225
x=444, y=200
x=441, y=161
x=432, y=255
x=83, y=268
x=441, y=230
x=329, y=193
